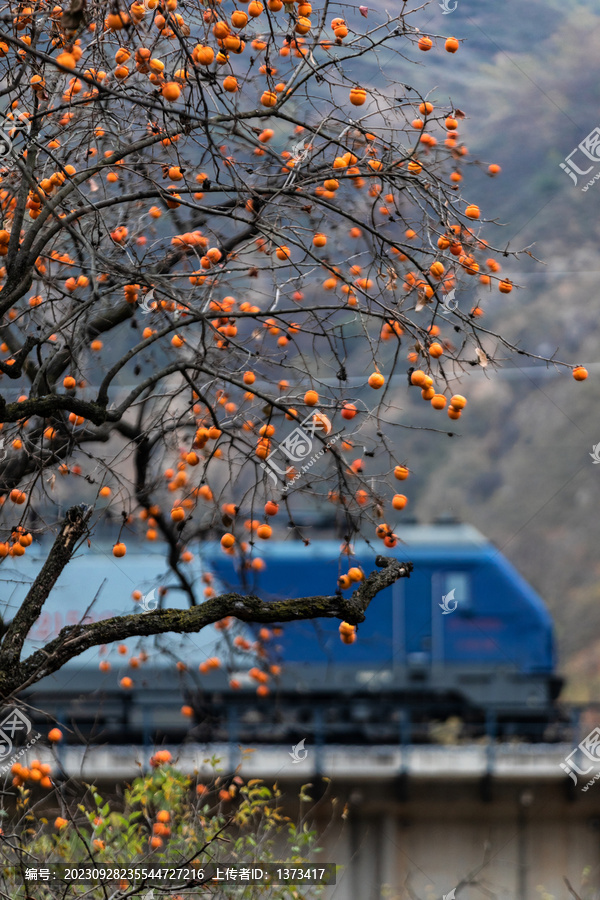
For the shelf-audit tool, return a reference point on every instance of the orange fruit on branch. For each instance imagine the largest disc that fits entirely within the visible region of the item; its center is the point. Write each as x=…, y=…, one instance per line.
x=221, y=30
x=376, y=380
x=358, y=96
x=203, y=55
x=171, y=91
x=418, y=377
x=268, y=98
x=239, y=19
x=303, y=25
x=356, y=574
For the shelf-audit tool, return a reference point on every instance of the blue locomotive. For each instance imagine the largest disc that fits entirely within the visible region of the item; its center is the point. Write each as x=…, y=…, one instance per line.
x=464, y=636
x=465, y=628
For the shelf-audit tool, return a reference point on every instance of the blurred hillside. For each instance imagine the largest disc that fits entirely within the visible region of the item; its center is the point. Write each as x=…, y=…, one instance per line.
x=520, y=469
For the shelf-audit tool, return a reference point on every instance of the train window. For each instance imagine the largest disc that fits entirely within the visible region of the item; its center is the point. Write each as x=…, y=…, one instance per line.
x=460, y=584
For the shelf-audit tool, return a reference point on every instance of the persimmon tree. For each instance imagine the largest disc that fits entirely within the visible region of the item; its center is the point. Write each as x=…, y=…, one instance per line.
x=225, y=227
x=164, y=818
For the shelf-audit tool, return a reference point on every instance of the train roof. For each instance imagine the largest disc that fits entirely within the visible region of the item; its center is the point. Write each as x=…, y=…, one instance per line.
x=422, y=541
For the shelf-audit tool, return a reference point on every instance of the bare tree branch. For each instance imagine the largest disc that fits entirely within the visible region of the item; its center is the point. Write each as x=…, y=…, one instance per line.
x=73, y=528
